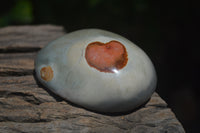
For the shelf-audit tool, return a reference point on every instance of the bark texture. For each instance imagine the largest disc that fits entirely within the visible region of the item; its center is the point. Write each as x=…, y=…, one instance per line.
x=26, y=106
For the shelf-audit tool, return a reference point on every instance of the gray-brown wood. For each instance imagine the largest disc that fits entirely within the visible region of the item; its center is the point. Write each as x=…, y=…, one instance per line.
x=26, y=106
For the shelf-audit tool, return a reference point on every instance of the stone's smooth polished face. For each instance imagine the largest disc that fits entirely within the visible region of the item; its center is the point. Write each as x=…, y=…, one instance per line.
x=98, y=70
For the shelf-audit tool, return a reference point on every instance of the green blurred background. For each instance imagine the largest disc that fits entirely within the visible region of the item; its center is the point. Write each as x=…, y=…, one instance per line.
x=165, y=30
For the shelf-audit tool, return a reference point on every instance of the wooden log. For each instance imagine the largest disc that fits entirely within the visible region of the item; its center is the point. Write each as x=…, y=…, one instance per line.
x=28, y=38
x=27, y=106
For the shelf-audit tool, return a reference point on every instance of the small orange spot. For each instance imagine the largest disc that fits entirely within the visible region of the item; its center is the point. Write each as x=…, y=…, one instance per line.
x=46, y=73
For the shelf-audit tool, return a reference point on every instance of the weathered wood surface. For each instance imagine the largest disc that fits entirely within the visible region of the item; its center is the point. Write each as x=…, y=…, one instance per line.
x=26, y=106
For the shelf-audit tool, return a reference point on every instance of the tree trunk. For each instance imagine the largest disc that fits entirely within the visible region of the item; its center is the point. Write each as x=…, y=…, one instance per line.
x=26, y=106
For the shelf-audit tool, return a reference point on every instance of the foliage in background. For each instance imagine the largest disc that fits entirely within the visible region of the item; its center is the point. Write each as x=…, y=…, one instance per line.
x=20, y=13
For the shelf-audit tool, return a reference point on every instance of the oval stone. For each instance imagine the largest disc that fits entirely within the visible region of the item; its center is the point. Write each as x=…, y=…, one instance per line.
x=98, y=70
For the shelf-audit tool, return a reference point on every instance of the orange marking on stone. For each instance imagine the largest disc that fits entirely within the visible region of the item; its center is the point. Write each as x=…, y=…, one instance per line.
x=106, y=57
x=46, y=73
